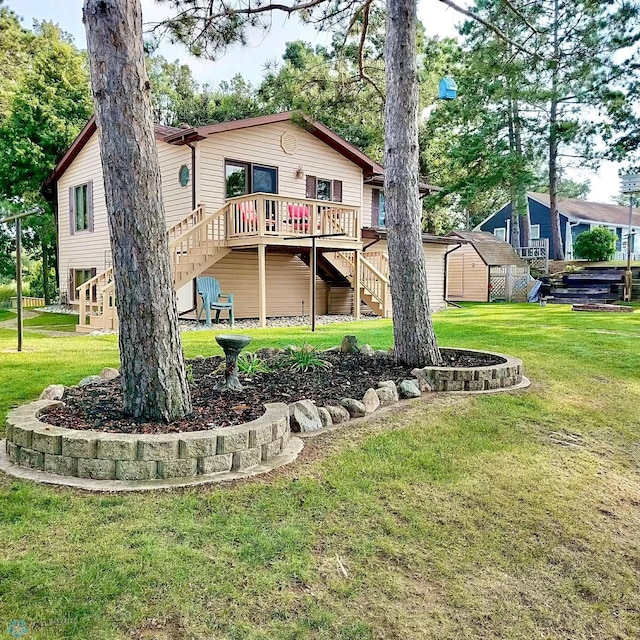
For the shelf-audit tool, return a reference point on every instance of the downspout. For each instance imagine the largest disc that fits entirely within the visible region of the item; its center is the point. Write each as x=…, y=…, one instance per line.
x=193, y=206
x=446, y=269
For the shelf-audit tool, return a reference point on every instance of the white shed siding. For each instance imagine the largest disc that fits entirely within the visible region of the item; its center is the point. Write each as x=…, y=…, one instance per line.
x=367, y=206
x=261, y=145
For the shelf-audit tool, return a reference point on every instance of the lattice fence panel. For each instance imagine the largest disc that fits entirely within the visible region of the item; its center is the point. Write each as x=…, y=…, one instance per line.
x=509, y=283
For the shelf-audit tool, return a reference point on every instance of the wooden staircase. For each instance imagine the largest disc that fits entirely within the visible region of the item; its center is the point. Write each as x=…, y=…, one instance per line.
x=373, y=282
x=195, y=243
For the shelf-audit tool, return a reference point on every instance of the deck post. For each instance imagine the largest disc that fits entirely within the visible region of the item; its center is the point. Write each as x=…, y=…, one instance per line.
x=356, y=286
x=262, y=284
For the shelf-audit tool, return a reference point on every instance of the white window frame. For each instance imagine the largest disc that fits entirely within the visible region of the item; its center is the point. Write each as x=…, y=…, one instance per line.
x=536, y=235
x=500, y=232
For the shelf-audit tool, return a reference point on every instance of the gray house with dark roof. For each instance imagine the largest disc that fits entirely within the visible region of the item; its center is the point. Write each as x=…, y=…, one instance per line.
x=576, y=217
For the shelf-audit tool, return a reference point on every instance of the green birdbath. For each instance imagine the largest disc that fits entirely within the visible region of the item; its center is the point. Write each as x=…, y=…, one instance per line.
x=232, y=345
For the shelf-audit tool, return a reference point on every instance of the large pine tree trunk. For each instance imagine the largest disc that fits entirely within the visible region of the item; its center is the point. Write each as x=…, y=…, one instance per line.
x=154, y=380
x=556, y=235
x=414, y=339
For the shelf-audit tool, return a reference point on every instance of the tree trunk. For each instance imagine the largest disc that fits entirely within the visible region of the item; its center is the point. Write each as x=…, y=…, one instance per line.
x=154, y=381
x=514, y=239
x=521, y=191
x=414, y=339
x=558, y=251
x=45, y=272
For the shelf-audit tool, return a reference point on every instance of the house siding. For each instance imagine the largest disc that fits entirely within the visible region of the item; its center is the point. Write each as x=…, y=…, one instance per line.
x=262, y=145
x=288, y=284
x=434, y=253
x=92, y=249
x=538, y=214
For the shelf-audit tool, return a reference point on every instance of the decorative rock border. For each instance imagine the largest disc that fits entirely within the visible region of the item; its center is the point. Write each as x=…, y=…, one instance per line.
x=497, y=376
x=115, y=461
x=96, y=455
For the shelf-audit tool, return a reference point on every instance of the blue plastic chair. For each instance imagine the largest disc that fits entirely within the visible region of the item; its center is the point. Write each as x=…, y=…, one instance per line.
x=209, y=291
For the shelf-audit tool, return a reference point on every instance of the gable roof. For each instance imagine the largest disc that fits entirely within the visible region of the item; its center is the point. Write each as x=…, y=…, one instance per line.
x=161, y=132
x=493, y=251
x=590, y=211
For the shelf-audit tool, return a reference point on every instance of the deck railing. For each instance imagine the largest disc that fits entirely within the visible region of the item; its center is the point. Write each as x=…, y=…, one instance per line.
x=95, y=296
x=380, y=260
x=267, y=214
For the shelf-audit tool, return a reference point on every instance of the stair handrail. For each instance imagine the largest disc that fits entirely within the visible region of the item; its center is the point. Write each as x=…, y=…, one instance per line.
x=189, y=221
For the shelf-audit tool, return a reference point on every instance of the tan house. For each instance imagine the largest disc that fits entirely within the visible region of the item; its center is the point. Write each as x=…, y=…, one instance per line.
x=241, y=200
x=484, y=268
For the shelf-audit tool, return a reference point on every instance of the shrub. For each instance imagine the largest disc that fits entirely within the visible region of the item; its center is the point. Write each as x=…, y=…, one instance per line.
x=596, y=245
x=304, y=358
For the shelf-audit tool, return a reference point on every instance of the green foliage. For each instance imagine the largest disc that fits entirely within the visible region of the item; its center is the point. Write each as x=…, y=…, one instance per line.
x=304, y=358
x=596, y=245
x=36, y=280
x=42, y=109
x=250, y=364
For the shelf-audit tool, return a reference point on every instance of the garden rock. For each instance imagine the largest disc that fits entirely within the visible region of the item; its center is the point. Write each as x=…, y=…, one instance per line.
x=325, y=418
x=409, y=389
x=387, y=394
x=367, y=350
x=53, y=392
x=338, y=414
x=90, y=380
x=370, y=400
x=381, y=353
x=304, y=416
x=199, y=358
x=109, y=373
x=349, y=344
x=355, y=408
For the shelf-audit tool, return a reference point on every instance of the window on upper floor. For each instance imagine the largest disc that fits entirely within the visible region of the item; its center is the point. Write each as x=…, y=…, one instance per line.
x=500, y=232
x=81, y=208
x=378, y=217
x=324, y=189
x=244, y=177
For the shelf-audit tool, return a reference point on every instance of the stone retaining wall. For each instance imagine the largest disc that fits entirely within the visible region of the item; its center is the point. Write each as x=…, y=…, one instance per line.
x=113, y=456
x=497, y=376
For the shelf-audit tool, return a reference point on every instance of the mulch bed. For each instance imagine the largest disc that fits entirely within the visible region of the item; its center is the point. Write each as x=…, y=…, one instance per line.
x=99, y=407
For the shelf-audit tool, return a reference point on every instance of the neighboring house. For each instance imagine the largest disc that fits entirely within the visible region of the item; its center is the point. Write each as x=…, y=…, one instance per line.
x=486, y=268
x=241, y=199
x=576, y=217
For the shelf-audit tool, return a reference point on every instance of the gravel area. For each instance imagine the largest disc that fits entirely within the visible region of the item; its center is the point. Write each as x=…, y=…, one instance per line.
x=58, y=308
x=286, y=321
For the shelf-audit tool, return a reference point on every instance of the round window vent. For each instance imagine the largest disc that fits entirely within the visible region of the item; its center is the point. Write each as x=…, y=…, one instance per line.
x=288, y=142
x=183, y=175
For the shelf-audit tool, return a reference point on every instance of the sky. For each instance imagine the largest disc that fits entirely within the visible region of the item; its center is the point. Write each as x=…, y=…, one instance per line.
x=250, y=61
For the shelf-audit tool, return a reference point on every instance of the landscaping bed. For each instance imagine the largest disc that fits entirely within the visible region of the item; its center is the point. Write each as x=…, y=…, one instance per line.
x=99, y=407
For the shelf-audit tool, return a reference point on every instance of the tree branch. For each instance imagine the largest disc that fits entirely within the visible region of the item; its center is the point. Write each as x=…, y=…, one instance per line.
x=488, y=25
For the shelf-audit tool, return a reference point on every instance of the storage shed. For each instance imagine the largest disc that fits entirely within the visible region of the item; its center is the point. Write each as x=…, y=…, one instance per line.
x=484, y=269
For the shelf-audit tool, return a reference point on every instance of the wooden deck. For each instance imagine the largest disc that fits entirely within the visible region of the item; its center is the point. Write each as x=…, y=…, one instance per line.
x=253, y=223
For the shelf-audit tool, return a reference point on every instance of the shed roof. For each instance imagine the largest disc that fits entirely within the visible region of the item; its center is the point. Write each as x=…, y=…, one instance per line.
x=380, y=233
x=493, y=251
x=590, y=211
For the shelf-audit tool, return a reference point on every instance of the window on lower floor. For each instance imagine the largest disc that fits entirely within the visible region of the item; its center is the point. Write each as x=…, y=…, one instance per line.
x=77, y=277
x=535, y=232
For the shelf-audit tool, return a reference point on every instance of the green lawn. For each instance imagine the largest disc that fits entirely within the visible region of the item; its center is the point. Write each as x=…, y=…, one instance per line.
x=52, y=321
x=505, y=516
x=6, y=314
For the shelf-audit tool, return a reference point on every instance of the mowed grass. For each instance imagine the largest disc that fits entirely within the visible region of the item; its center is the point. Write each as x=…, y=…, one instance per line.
x=52, y=321
x=506, y=516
